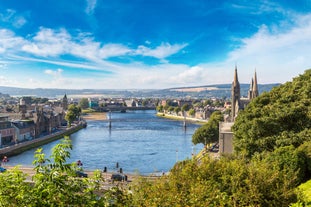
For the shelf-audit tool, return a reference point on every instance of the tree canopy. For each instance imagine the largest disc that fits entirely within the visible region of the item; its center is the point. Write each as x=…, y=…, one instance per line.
x=209, y=132
x=55, y=183
x=84, y=103
x=277, y=118
x=72, y=114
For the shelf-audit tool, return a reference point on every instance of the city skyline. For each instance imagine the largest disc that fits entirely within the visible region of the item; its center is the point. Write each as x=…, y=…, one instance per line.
x=138, y=44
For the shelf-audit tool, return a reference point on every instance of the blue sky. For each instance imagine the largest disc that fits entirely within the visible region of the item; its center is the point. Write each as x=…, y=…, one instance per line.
x=151, y=44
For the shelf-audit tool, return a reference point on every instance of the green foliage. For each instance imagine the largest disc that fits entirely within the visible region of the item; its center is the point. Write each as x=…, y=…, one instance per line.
x=177, y=110
x=191, y=112
x=73, y=113
x=160, y=108
x=209, y=132
x=304, y=195
x=84, y=103
x=170, y=109
x=281, y=117
x=56, y=184
x=228, y=181
x=185, y=107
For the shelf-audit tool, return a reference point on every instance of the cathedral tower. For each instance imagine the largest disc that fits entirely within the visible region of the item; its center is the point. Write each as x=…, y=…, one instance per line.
x=235, y=95
x=65, y=102
x=253, y=89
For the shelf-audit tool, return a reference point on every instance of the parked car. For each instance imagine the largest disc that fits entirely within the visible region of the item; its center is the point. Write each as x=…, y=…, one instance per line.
x=2, y=169
x=118, y=177
x=81, y=174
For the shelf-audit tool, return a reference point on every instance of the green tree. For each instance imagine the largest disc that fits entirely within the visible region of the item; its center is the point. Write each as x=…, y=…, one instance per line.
x=209, y=132
x=227, y=181
x=278, y=118
x=73, y=113
x=84, y=103
x=177, y=110
x=185, y=107
x=55, y=184
x=191, y=112
x=170, y=109
x=160, y=108
x=145, y=102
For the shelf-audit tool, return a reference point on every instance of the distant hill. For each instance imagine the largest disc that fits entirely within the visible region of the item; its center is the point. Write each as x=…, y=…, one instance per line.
x=208, y=91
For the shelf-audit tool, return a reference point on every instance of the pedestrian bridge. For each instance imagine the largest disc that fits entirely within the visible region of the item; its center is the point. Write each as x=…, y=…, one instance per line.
x=125, y=108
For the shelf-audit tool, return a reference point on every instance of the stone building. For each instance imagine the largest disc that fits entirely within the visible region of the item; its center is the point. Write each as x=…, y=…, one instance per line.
x=7, y=132
x=237, y=104
x=24, y=130
x=47, y=120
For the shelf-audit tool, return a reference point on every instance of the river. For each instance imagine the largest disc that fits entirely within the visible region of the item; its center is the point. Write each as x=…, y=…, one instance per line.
x=138, y=140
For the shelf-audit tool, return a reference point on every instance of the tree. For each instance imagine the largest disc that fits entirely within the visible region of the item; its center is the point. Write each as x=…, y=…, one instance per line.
x=227, y=181
x=191, y=112
x=170, y=109
x=72, y=114
x=277, y=118
x=84, y=103
x=185, y=107
x=177, y=110
x=209, y=132
x=145, y=102
x=55, y=183
x=160, y=108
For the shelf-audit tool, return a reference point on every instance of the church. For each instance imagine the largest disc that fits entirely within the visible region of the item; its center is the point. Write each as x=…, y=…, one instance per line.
x=237, y=103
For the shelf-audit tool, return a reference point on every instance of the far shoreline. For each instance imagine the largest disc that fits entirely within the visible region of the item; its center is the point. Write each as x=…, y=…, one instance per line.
x=95, y=116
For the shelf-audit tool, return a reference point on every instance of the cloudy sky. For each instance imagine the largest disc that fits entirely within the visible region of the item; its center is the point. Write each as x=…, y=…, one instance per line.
x=146, y=44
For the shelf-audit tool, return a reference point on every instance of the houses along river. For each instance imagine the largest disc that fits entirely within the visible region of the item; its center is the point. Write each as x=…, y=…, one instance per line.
x=138, y=140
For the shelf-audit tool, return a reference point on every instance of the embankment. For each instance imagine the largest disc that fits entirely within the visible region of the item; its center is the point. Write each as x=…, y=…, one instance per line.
x=24, y=146
x=181, y=118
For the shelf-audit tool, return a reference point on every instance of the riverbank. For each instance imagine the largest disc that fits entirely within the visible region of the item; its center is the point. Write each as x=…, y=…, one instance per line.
x=30, y=172
x=97, y=116
x=24, y=146
x=181, y=118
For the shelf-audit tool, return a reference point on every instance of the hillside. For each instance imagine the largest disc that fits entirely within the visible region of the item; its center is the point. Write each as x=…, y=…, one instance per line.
x=208, y=91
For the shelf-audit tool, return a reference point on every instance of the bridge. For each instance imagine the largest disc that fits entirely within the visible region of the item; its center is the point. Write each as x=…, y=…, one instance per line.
x=125, y=108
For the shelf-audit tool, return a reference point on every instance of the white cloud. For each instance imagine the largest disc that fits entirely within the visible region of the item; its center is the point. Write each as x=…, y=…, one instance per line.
x=113, y=50
x=54, y=43
x=3, y=65
x=55, y=73
x=162, y=51
x=190, y=76
x=10, y=17
x=90, y=6
x=48, y=42
x=9, y=41
x=277, y=54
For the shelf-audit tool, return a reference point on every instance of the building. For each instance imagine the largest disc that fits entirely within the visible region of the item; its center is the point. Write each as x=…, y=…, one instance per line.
x=7, y=132
x=225, y=137
x=65, y=102
x=24, y=130
x=238, y=103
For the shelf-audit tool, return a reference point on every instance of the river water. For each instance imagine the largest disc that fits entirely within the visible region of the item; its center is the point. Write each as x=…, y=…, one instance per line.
x=138, y=140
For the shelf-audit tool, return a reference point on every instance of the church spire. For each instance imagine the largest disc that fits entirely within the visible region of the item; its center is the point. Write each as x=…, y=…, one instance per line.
x=235, y=95
x=255, y=86
x=235, y=80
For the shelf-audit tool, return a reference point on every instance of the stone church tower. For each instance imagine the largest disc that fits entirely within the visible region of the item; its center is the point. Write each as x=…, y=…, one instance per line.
x=239, y=103
x=253, y=89
x=65, y=102
x=235, y=94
